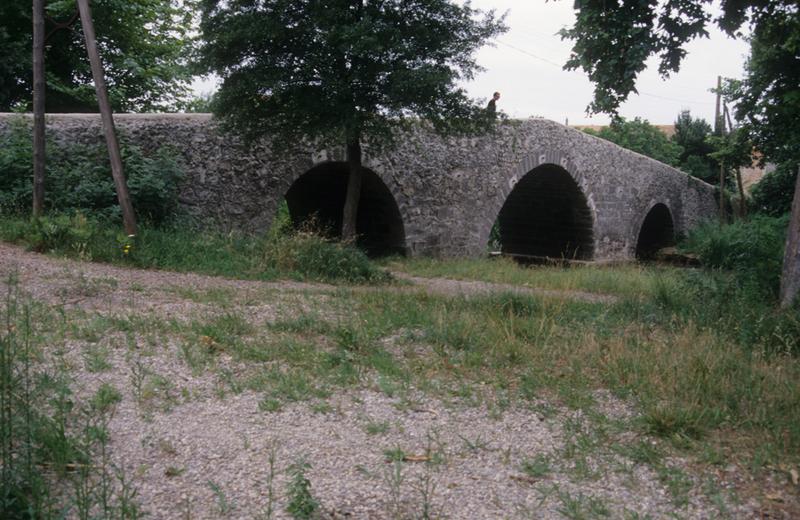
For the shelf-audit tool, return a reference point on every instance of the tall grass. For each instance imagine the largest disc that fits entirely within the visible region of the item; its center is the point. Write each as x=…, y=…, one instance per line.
x=54, y=458
x=277, y=254
x=752, y=249
x=623, y=280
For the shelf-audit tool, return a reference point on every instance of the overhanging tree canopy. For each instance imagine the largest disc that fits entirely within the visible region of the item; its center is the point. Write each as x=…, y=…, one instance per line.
x=145, y=46
x=342, y=71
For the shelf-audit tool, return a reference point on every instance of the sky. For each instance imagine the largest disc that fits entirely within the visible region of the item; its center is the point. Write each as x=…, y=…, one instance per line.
x=525, y=66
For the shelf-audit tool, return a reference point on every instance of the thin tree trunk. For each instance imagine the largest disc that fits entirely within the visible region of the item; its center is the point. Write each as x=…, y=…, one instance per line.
x=38, y=108
x=128, y=216
x=722, y=218
x=790, y=277
x=353, y=191
x=742, y=199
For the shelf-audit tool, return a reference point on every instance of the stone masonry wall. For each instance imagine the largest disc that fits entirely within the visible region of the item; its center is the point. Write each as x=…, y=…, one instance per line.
x=449, y=190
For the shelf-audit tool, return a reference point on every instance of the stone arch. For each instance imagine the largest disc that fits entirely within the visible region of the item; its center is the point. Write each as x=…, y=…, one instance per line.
x=319, y=193
x=656, y=231
x=552, y=179
x=546, y=215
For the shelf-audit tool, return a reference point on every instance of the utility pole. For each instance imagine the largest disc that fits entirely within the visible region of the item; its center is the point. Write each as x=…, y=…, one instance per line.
x=38, y=108
x=128, y=216
x=739, y=184
x=720, y=131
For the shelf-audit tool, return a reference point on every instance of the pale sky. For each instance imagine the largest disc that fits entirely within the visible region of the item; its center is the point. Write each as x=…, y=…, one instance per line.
x=525, y=66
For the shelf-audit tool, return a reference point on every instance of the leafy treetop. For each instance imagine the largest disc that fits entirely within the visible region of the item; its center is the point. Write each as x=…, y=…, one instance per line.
x=768, y=99
x=342, y=70
x=144, y=45
x=614, y=38
x=642, y=137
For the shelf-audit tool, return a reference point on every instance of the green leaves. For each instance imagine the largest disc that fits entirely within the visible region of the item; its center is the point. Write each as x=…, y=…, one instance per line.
x=341, y=70
x=144, y=44
x=614, y=38
x=642, y=137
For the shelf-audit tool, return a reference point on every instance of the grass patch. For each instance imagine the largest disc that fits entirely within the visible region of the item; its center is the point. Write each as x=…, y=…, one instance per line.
x=302, y=256
x=622, y=280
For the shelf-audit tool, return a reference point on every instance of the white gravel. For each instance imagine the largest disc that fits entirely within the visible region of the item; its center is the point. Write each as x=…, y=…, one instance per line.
x=201, y=440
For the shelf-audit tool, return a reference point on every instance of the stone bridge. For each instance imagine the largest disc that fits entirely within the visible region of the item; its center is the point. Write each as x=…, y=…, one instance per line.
x=554, y=191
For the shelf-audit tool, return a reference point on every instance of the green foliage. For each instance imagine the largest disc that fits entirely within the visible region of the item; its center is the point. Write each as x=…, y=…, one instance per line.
x=774, y=192
x=768, y=99
x=314, y=257
x=302, y=504
x=692, y=136
x=202, y=104
x=48, y=441
x=642, y=137
x=79, y=178
x=144, y=45
x=733, y=150
x=614, y=39
x=340, y=71
x=753, y=249
x=182, y=248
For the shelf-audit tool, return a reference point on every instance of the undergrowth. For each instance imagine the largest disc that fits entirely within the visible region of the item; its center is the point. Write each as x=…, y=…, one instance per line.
x=46, y=437
x=281, y=253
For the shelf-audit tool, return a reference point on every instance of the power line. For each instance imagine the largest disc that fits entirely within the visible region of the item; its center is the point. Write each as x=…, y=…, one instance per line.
x=551, y=62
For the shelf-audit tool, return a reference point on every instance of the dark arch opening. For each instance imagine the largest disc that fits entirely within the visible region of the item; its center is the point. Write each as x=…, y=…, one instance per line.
x=546, y=215
x=657, y=232
x=319, y=195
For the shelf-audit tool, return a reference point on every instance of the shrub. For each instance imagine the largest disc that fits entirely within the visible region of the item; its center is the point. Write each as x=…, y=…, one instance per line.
x=753, y=249
x=314, y=257
x=774, y=192
x=79, y=178
x=16, y=170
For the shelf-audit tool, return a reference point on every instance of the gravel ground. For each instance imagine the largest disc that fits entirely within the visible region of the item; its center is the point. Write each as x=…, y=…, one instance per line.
x=194, y=451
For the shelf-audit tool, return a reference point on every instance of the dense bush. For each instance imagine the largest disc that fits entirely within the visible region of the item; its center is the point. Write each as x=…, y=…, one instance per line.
x=774, y=192
x=79, y=178
x=752, y=248
x=314, y=257
x=280, y=253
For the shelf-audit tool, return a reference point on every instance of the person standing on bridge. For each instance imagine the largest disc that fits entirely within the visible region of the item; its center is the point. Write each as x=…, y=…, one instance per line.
x=491, y=108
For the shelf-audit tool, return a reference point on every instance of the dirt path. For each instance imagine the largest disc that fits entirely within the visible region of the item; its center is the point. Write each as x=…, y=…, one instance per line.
x=30, y=266
x=198, y=446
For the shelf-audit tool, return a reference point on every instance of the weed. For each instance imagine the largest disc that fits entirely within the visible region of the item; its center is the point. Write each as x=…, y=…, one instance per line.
x=426, y=488
x=269, y=511
x=581, y=507
x=173, y=471
x=301, y=503
x=376, y=428
x=475, y=445
x=106, y=397
x=393, y=476
x=394, y=455
x=677, y=482
x=95, y=358
x=224, y=506
x=537, y=467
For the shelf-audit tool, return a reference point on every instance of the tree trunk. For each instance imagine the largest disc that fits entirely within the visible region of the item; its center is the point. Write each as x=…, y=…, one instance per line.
x=38, y=108
x=742, y=199
x=790, y=277
x=353, y=191
x=722, y=217
x=128, y=216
